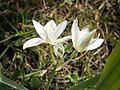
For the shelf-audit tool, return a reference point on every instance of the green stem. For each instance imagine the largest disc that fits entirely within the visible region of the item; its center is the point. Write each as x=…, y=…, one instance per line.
x=71, y=59
x=51, y=77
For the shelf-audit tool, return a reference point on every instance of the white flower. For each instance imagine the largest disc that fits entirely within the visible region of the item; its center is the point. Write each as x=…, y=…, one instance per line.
x=48, y=34
x=83, y=40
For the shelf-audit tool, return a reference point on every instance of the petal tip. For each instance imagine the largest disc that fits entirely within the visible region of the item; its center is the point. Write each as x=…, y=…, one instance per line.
x=24, y=47
x=33, y=21
x=76, y=19
x=64, y=22
x=102, y=40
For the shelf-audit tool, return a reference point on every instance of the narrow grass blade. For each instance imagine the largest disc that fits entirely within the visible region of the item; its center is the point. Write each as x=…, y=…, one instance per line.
x=16, y=35
x=37, y=73
x=1, y=55
x=10, y=24
x=11, y=83
x=6, y=39
x=51, y=77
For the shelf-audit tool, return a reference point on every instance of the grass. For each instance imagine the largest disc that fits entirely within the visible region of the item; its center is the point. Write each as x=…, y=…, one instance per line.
x=28, y=67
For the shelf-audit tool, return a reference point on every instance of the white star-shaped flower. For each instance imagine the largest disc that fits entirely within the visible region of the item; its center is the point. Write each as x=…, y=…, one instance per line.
x=48, y=34
x=83, y=40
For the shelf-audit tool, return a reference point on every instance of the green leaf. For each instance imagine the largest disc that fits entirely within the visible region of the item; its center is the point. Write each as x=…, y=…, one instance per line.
x=10, y=83
x=5, y=87
x=89, y=83
x=110, y=77
x=35, y=82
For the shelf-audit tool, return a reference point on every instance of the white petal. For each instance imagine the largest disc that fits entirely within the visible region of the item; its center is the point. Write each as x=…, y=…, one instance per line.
x=39, y=28
x=32, y=42
x=63, y=39
x=86, y=39
x=51, y=23
x=86, y=36
x=95, y=44
x=59, y=29
x=93, y=40
x=84, y=31
x=84, y=42
x=49, y=29
x=50, y=26
x=75, y=32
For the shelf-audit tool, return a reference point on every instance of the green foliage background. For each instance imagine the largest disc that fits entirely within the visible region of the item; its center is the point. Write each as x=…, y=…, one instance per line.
x=32, y=67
